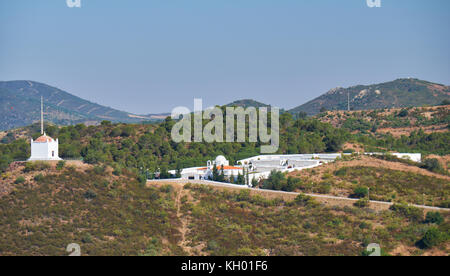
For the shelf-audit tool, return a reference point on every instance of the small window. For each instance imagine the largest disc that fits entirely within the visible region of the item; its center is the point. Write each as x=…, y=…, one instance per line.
x=53, y=153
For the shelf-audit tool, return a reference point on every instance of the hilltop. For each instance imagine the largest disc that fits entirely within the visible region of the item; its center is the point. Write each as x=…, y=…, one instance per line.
x=394, y=94
x=20, y=106
x=247, y=103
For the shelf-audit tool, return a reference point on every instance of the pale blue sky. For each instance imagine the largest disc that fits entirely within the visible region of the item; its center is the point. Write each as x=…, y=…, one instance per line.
x=148, y=56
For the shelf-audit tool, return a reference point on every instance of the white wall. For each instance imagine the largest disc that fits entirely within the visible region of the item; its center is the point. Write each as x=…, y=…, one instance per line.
x=43, y=151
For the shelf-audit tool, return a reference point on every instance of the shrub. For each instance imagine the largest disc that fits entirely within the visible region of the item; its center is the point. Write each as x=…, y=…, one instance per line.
x=212, y=246
x=90, y=194
x=324, y=188
x=20, y=180
x=410, y=212
x=434, y=217
x=433, y=165
x=35, y=166
x=105, y=123
x=87, y=238
x=403, y=113
x=167, y=189
x=363, y=202
x=432, y=238
x=115, y=132
x=127, y=131
x=99, y=170
x=142, y=179
x=154, y=248
x=38, y=177
x=60, y=165
x=365, y=225
x=304, y=200
x=360, y=192
x=341, y=172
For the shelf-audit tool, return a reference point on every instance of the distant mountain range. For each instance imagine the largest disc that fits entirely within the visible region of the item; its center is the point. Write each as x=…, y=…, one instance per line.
x=20, y=106
x=394, y=94
x=20, y=102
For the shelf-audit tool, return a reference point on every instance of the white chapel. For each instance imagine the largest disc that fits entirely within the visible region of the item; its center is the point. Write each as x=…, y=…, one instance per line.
x=44, y=148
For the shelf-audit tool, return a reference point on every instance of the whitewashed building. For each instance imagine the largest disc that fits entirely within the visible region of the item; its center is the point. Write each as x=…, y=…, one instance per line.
x=206, y=173
x=44, y=148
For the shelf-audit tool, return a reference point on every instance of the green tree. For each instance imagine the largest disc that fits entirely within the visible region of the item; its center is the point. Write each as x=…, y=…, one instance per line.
x=432, y=238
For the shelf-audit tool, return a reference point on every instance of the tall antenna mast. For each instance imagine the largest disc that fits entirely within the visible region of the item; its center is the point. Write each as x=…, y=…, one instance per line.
x=42, y=115
x=348, y=100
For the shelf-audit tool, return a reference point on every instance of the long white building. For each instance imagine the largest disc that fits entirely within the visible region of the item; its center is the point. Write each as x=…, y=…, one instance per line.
x=205, y=173
x=260, y=167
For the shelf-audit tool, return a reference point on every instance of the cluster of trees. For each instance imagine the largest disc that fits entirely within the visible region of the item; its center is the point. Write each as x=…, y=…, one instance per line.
x=278, y=181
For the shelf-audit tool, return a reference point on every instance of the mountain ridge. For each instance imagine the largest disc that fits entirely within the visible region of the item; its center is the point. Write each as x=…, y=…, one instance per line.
x=20, y=106
x=394, y=94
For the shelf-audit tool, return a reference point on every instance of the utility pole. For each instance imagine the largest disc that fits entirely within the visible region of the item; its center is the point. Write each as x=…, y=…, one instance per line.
x=348, y=101
x=42, y=115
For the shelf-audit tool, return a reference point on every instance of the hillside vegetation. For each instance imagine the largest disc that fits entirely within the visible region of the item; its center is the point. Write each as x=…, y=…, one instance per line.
x=252, y=225
x=107, y=214
x=400, y=121
x=388, y=181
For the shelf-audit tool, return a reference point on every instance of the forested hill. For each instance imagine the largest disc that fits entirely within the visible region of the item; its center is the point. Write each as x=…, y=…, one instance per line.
x=247, y=103
x=20, y=106
x=394, y=94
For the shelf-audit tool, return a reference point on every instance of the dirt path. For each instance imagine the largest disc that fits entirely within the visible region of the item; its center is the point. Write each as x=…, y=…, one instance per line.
x=326, y=199
x=184, y=222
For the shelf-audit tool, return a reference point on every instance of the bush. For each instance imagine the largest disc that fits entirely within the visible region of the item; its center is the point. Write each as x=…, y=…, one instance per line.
x=403, y=113
x=90, y=194
x=341, y=172
x=365, y=225
x=87, y=238
x=432, y=238
x=38, y=177
x=167, y=189
x=324, y=188
x=434, y=217
x=360, y=192
x=60, y=165
x=35, y=166
x=362, y=203
x=212, y=246
x=99, y=169
x=433, y=165
x=20, y=180
x=410, y=212
x=304, y=200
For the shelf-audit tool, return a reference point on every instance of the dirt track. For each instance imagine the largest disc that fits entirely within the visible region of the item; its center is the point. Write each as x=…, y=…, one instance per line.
x=326, y=199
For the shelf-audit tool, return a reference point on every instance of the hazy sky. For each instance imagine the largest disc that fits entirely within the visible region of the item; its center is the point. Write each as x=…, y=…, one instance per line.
x=148, y=56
